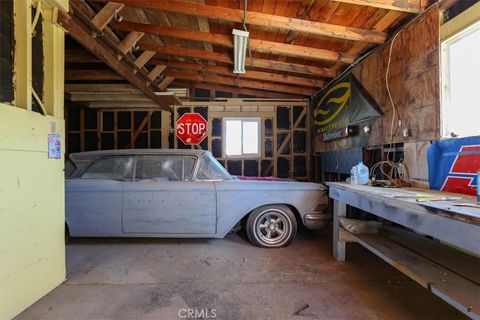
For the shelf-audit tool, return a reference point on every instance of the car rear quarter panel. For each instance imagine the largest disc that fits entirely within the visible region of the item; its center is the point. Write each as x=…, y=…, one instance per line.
x=236, y=198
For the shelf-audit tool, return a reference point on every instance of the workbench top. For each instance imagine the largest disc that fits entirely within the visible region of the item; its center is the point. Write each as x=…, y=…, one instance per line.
x=408, y=197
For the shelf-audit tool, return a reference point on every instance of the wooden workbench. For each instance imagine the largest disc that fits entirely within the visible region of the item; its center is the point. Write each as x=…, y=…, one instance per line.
x=449, y=266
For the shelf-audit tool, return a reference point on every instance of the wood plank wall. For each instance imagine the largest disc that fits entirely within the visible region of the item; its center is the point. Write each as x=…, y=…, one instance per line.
x=414, y=84
x=285, y=136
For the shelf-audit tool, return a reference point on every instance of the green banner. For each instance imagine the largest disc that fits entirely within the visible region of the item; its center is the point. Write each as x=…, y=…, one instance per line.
x=343, y=103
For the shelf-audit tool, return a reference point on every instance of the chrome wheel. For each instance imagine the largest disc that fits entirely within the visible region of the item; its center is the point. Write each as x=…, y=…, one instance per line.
x=271, y=226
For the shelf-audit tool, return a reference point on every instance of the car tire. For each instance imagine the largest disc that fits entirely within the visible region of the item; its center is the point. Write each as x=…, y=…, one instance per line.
x=272, y=226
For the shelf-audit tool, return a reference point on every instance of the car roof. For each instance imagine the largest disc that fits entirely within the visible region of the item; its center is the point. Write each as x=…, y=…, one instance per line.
x=90, y=155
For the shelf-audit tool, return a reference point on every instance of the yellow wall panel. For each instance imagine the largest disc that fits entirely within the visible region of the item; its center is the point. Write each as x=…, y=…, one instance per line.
x=32, y=250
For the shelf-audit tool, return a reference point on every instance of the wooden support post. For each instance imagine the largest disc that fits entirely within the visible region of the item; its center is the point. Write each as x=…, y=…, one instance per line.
x=339, y=210
x=23, y=54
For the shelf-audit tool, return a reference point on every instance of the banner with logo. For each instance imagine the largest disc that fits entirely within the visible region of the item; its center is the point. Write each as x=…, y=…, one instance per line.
x=343, y=103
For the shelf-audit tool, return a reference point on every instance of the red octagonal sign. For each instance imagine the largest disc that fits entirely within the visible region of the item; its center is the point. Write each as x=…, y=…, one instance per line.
x=191, y=128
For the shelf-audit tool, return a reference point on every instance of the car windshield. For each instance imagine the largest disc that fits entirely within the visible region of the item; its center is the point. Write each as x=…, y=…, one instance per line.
x=211, y=169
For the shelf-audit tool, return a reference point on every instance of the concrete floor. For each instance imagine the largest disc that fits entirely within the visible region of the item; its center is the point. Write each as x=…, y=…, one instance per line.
x=157, y=278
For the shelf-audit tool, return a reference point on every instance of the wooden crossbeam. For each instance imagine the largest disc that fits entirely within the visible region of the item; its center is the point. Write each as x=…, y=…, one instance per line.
x=106, y=14
x=236, y=90
x=251, y=74
x=165, y=83
x=411, y=6
x=227, y=40
x=226, y=58
x=95, y=45
x=240, y=82
x=144, y=58
x=262, y=19
x=96, y=88
x=130, y=40
x=96, y=75
x=156, y=71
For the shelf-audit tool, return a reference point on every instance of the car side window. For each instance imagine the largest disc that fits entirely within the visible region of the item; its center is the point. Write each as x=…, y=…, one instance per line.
x=188, y=168
x=111, y=168
x=164, y=168
x=208, y=170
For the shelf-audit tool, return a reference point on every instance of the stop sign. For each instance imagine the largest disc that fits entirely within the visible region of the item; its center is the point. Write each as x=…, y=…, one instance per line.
x=191, y=128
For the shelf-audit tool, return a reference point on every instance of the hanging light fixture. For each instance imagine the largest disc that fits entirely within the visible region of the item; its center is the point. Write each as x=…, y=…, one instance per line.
x=240, y=39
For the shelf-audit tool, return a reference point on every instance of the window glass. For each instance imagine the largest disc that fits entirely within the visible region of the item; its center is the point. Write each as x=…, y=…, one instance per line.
x=461, y=83
x=111, y=168
x=210, y=169
x=188, y=167
x=159, y=168
x=242, y=137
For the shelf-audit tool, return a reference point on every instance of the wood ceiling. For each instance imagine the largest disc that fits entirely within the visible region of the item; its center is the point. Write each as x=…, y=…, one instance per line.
x=296, y=46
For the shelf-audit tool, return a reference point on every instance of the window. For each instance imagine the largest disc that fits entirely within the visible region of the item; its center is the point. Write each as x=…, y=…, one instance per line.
x=211, y=169
x=461, y=83
x=242, y=137
x=111, y=168
x=164, y=168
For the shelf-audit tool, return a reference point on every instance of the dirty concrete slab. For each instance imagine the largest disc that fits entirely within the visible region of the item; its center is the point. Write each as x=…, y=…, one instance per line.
x=230, y=279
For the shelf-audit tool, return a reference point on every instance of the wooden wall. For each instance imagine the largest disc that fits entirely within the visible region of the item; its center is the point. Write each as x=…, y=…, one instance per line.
x=284, y=142
x=414, y=84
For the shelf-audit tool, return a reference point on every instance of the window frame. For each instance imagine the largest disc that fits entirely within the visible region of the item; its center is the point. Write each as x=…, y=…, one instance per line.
x=183, y=156
x=243, y=155
x=96, y=160
x=452, y=32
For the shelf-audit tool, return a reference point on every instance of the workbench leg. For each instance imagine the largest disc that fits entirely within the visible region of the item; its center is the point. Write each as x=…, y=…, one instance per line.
x=339, y=210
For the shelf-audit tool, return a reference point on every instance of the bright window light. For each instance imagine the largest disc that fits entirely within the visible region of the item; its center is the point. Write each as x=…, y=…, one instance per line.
x=461, y=83
x=241, y=137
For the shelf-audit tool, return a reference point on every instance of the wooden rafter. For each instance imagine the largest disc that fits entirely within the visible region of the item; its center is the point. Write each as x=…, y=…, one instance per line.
x=227, y=40
x=226, y=58
x=250, y=74
x=236, y=90
x=106, y=14
x=411, y=6
x=240, y=82
x=262, y=19
x=95, y=45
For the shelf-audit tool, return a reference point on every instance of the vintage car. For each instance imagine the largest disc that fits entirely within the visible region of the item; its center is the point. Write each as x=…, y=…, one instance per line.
x=184, y=194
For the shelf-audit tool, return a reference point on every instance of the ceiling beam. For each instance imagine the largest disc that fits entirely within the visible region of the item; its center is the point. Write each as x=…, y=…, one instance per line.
x=240, y=82
x=262, y=19
x=251, y=74
x=410, y=6
x=106, y=14
x=95, y=45
x=94, y=75
x=102, y=96
x=226, y=58
x=236, y=90
x=97, y=88
x=227, y=41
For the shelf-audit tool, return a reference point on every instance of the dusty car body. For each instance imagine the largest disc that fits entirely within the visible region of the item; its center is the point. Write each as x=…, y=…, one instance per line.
x=175, y=193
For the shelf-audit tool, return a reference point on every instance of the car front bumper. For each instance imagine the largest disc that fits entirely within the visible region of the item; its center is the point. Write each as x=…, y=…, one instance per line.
x=316, y=220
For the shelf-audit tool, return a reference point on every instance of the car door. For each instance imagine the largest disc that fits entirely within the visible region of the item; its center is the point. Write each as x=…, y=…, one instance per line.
x=163, y=199
x=94, y=200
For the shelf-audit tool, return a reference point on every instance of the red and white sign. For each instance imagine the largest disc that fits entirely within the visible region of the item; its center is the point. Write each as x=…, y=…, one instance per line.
x=191, y=128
